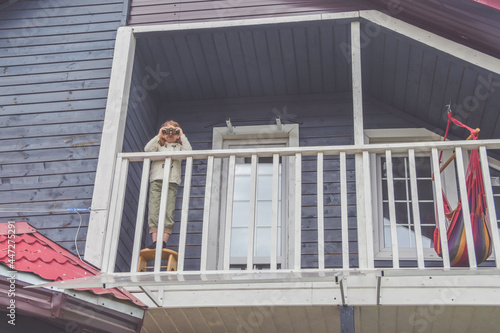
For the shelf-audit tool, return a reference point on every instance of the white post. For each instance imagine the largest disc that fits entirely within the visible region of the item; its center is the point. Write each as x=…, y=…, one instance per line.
x=321, y=215
x=343, y=209
x=274, y=212
x=392, y=210
x=184, y=214
x=469, y=238
x=357, y=98
x=490, y=203
x=111, y=143
x=252, y=212
x=206, y=214
x=229, y=212
x=141, y=210
x=298, y=213
x=438, y=188
x=416, y=208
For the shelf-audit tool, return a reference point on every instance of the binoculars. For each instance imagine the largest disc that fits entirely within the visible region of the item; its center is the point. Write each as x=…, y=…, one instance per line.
x=170, y=130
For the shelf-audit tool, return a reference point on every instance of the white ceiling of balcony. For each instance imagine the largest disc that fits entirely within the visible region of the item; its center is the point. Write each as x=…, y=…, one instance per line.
x=314, y=58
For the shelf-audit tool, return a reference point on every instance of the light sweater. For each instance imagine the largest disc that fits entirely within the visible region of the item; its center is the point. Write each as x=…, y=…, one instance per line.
x=156, y=172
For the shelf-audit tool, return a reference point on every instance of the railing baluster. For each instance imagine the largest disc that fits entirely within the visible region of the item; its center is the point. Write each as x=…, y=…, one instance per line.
x=162, y=213
x=252, y=210
x=343, y=209
x=141, y=210
x=186, y=195
x=298, y=212
x=490, y=204
x=320, y=212
x=392, y=209
x=274, y=212
x=206, y=213
x=368, y=210
x=116, y=213
x=229, y=212
x=469, y=238
x=438, y=188
x=416, y=208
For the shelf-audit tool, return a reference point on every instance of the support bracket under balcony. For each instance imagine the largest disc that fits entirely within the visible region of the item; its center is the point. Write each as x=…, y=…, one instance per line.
x=156, y=300
x=342, y=282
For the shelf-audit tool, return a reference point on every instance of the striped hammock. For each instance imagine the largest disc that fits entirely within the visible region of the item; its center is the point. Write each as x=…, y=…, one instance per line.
x=455, y=232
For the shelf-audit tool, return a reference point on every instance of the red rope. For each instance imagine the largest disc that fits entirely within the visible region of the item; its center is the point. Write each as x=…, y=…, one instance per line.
x=472, y=131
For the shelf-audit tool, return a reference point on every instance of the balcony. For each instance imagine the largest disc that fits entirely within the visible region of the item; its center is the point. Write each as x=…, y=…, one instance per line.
x=336, y=227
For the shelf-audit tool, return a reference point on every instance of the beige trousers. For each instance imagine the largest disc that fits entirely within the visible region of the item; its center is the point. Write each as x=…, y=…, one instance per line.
x=154, y=206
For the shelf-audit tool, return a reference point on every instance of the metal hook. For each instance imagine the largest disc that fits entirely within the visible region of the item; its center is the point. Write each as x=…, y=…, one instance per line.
x=230, y=128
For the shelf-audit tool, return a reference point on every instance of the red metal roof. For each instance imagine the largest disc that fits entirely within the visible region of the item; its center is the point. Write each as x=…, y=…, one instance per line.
x=491, y=3
x=39, y=255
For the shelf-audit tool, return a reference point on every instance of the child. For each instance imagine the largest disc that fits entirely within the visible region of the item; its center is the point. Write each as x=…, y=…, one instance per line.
x=169, y=138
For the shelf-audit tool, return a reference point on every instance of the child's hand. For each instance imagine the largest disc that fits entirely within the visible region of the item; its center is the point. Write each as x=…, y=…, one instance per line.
x=162, y=140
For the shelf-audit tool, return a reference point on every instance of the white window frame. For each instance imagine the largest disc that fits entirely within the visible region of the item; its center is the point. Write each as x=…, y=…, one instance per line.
x=287, y=136
x=378, y=136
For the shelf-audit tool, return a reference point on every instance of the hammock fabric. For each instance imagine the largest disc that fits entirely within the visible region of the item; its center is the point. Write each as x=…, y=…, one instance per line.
x=455, y=232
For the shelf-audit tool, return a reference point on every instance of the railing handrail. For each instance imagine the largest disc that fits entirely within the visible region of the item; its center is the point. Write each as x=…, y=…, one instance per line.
x=313, y=150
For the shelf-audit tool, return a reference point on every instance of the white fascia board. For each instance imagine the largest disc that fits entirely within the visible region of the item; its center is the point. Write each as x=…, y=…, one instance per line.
x=428, y=38
x=242, y=23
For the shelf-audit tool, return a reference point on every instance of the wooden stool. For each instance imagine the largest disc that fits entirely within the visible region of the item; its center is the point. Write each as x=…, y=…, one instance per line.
x=148, y=255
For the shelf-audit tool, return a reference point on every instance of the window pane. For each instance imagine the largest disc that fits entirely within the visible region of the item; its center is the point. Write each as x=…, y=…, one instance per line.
x=265, y=187
x=425, y=191
x=239, y=241
x=264, y=211
x=263, y=242
x=241, y=210
x=403, y=203
x=423, y=166
x=242, y=187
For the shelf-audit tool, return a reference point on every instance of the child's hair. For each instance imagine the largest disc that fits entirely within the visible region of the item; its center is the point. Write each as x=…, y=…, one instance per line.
x=171, y=123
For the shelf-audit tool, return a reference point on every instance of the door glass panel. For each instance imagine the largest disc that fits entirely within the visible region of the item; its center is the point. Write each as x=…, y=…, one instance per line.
x=263, y=213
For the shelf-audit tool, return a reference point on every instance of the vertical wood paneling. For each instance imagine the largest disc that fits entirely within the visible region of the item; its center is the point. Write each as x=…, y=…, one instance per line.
x=55, y=59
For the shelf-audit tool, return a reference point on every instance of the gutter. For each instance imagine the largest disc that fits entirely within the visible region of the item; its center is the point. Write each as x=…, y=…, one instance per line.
x=61, y=309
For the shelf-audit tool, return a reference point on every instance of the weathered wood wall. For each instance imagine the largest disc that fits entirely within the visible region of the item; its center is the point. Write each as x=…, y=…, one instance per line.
x=55, y=63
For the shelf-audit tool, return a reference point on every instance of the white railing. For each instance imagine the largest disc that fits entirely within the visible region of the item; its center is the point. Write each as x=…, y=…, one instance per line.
x=361, y=155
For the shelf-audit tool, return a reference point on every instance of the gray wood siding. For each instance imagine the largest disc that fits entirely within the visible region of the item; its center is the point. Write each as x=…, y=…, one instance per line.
x=161, y=11
x=55, y=64
x=323, y=120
